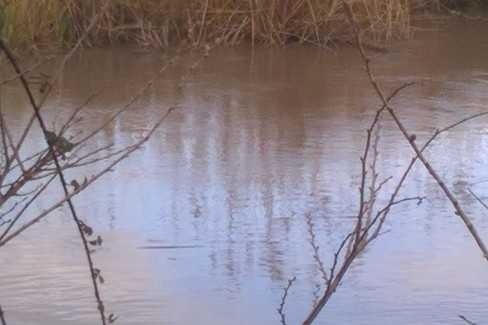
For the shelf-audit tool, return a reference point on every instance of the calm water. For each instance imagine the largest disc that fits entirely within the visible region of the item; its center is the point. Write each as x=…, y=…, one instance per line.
x=260, y=139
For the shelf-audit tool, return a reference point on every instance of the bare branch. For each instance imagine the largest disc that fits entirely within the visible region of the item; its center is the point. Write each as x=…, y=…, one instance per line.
x=2, y=318
x=411, y=140
x=26, y=206
x=466, y=320
x=360, y=237
x=315, y=249
x=478, y=199
x=283, y=299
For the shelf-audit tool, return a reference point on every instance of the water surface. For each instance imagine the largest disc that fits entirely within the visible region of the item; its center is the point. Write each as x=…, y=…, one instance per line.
x=206, y=223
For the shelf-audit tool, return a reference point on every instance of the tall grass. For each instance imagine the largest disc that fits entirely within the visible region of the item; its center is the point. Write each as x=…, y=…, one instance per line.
x=34, y=25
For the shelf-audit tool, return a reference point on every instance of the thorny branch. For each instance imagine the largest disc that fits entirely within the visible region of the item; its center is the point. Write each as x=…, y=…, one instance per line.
x=64, y=184
x=360, y=237
x=411, y=140
x=283, y=300
x=315, y=248
x=52, y=155
x=53, y=151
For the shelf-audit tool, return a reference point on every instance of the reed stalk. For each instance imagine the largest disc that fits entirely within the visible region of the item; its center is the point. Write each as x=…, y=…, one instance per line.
x=44, y=25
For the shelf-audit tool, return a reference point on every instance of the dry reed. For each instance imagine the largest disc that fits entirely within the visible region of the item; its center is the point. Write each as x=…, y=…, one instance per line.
x=33, y=25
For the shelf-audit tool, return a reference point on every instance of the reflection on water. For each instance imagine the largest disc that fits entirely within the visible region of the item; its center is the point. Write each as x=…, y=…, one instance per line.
x=261, y=139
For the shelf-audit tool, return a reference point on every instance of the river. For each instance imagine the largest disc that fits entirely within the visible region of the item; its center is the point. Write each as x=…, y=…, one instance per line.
x=207, y=222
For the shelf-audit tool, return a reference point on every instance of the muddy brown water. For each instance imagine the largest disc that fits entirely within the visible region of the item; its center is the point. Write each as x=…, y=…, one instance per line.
x=260, y=139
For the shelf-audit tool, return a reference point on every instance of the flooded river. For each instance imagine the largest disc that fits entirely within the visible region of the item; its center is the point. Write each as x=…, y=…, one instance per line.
x=206, y=224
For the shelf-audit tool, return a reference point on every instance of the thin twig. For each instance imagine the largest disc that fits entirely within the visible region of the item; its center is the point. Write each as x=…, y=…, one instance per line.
x=283, y=299
x=25, y=72
x=60, y=173
x=129, y=150
x=26, y=206
x=315, y=249
x=358, y=239
x=411, y=140
x=2, y=317
x=478, y=199
x=468, y=17
x=77, y=110
x=466, y=320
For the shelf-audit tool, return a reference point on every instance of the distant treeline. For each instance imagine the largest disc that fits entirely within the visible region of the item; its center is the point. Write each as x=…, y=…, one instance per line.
x=39, y=25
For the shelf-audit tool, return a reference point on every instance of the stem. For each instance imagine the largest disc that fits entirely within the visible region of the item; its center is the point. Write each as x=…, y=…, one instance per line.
x=60, y=173
x=458, y=210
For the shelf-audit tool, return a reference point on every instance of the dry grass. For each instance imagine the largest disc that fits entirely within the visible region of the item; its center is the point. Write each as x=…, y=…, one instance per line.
x=281, y=22
x=34, y=25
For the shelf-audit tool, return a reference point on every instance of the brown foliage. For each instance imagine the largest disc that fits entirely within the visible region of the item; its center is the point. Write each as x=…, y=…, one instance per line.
x=48, y=24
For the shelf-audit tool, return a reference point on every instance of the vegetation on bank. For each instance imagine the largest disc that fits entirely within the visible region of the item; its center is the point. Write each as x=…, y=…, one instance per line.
x=40, y=25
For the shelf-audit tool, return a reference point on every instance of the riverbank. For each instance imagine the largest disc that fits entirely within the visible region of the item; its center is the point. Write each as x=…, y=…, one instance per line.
x=49, y=25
